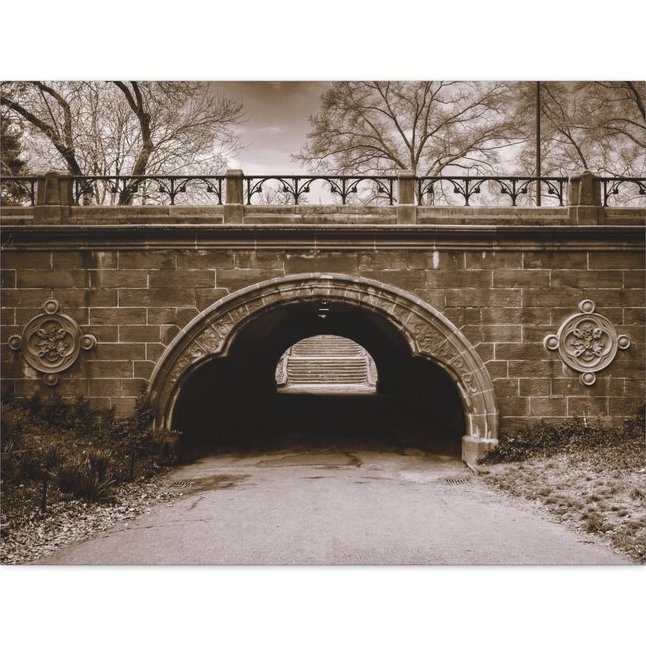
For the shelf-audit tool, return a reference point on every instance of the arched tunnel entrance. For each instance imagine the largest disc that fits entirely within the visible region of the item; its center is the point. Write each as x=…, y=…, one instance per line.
x=216, y=382
x=234, y=402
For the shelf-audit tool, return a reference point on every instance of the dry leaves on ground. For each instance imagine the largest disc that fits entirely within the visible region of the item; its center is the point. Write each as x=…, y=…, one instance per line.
x=602, y=492
x=29, y=534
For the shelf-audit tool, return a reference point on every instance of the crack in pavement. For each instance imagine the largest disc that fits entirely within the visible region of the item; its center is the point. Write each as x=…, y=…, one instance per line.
x=196, y=503
x=165, y=524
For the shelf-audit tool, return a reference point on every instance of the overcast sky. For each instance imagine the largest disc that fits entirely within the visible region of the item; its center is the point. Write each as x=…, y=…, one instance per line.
x=277, y=124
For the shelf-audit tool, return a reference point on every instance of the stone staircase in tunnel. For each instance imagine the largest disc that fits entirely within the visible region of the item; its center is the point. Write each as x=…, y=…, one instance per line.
x=326, y=364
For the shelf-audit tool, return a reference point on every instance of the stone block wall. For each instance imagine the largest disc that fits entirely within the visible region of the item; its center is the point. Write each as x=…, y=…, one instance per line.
x=505, y=294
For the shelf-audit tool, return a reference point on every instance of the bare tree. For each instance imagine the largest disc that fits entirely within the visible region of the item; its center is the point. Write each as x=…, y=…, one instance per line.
x=428, y=127
x=616, y=112
x=125, y=128
x=596, y=126
x=46, y=109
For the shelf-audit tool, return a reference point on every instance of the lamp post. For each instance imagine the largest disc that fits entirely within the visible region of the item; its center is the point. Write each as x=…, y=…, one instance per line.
x=538, y=143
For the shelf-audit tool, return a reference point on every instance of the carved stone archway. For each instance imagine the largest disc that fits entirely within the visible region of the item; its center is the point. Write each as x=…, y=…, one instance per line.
x=427, y=332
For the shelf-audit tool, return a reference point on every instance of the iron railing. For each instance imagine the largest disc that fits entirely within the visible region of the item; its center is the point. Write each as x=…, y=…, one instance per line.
x=144, y=188
x=468, y=186
x=611, y=186
x=438, y=190
x=294, y=187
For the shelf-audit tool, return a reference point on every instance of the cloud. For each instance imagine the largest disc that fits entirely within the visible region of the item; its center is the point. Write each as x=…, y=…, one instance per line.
x=277, y=121
x=273, y=130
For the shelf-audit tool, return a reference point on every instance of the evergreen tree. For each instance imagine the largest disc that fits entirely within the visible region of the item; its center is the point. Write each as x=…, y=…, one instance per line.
x=12, y=163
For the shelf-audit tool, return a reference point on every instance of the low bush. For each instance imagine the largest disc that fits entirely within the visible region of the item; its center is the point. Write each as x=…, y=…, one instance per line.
x=88, y=476
x=549, y=438
x=80, y=449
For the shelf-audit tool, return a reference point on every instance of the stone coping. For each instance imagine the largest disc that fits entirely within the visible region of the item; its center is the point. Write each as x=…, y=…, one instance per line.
x=314, y=215
x=170, y=235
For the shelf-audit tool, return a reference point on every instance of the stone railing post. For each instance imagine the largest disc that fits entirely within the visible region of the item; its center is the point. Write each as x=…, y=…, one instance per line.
x=406, y=207
x=584, y=199
x=54, y=198
x=234, y=206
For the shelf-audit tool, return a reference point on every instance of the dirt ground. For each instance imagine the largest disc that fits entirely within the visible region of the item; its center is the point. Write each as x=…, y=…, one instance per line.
x=29, y=534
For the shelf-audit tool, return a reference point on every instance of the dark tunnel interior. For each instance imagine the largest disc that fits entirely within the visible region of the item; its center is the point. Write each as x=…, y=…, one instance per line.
x=231, y=404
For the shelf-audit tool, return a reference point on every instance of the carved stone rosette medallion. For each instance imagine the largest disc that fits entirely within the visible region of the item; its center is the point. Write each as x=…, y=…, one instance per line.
x=587, y=342
x=51, y=342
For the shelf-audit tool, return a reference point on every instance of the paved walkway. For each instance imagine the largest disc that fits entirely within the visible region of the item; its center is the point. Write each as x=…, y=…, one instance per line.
x=325, y=507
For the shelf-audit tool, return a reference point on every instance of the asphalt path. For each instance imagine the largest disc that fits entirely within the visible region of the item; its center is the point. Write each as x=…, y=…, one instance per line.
x=328, y=507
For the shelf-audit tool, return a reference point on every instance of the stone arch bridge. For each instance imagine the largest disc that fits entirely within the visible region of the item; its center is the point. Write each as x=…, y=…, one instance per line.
x=517, y=313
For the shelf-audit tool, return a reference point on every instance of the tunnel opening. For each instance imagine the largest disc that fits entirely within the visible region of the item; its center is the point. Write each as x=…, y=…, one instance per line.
x=239, y=402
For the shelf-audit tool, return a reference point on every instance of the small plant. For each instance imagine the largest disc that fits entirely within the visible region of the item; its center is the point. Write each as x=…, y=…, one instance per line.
x=37, y=465
x=99, y=461
x=87, y=477
x=593, y=522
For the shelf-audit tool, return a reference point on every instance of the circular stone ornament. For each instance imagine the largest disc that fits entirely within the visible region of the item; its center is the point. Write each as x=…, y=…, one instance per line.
x=51, y=342
x=15, y=342
x=586, y=306
x=587, y=342
x=623, y=342
x=88, y=341
x=51, y=306
x=51, y=379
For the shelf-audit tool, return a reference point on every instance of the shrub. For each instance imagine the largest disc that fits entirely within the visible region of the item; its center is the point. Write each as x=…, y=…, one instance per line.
x=37, y=464
x=99, y=461
x=87, y=477
x=82, y=449
x=548, y=438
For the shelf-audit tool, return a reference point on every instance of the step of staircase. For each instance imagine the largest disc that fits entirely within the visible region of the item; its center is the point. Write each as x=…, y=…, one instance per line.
x=326, y=370
x=325, y=345
x=326, y=361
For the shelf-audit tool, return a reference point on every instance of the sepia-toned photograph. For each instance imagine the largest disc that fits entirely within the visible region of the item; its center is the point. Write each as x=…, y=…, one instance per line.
x=323, y=322
x=300, y=346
